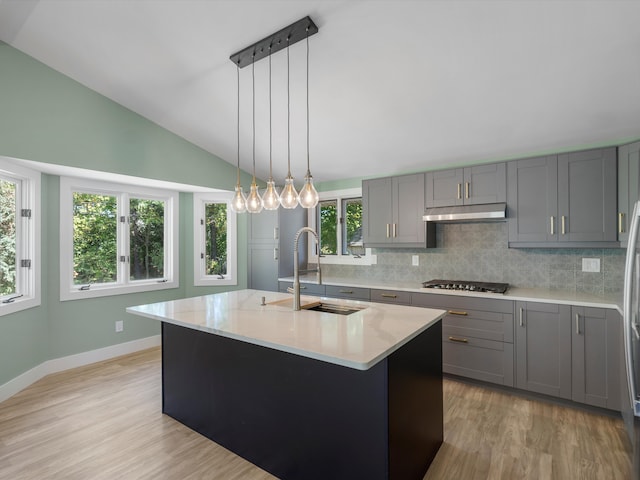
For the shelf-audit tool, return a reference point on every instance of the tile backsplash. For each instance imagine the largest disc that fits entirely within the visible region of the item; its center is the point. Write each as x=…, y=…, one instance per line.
x=478, y=251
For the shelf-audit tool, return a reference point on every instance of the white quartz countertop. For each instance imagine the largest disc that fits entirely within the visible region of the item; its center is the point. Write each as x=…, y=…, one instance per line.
x=563, y=297
x=359, y=340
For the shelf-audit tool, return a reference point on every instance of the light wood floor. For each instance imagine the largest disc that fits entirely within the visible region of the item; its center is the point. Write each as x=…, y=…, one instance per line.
x=104, y=421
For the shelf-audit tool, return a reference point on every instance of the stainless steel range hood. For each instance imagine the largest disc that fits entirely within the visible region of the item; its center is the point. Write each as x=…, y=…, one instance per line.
x=489, y=212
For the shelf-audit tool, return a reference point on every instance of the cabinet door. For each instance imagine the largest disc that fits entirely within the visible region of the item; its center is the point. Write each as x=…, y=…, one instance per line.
x=408, y=209
x=485, y=184
x=263, y=227
x=543, y=346
x=444, y=188
x=532, y=199
x=377, y=211
x=587, y=196
x=595, y=351
x=263, y=266
x=628, y=183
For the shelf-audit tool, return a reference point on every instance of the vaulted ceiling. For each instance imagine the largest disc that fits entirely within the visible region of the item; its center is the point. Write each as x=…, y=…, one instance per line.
x=395, y=86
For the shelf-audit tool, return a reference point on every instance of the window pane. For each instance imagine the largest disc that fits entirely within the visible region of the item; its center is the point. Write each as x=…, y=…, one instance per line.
x=7, y=237
x=95, y=253
x=352, y=232
x=146, y=239
x=328, y=211
x=216, y=238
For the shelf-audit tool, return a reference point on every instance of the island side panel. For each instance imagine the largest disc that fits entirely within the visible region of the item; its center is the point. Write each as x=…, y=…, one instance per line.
x=296, y=417
x=415, y=404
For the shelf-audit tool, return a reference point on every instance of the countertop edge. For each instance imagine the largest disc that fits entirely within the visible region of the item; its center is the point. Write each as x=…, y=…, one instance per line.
x=560, y=297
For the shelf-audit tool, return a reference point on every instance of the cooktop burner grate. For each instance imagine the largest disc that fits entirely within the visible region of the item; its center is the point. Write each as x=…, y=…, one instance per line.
x=464, y=285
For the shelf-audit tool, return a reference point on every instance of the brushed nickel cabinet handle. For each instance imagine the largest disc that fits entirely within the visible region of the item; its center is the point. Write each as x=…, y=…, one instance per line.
x=620, y=222
x=276, y=233
x=302, y=287
x=521, y=321
x=388, y=295
x=562, y=227
x=346, y=291
x=395, y=233
x=457, y=312
x=577, y=323
x=459, y=191
x=466, y=189
x=460, y=340
x=275, y=253
x=388, y=227
x=552, y=222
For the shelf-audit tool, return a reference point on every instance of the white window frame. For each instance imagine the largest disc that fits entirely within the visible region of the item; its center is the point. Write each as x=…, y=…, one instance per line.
x=28, y=234
x=70, y=291
x=201, y=279
x=339, y=259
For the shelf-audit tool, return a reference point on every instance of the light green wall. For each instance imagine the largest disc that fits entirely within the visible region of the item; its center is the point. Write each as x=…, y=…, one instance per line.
x=47, y=117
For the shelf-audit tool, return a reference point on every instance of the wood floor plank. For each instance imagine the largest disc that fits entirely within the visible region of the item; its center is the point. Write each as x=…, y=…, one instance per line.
x=104, y=422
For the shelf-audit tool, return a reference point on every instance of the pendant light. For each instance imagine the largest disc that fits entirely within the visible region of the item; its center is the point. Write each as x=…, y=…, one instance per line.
x=254, y=202
x=308, y=194
x=239, y=202
x=289, y=197
x=271, y=198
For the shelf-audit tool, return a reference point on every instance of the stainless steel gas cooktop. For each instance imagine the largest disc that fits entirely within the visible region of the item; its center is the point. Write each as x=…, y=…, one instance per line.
x=486, y=287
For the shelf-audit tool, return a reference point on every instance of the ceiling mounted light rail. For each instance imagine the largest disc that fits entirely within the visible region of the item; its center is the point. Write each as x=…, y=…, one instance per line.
x=308, y=198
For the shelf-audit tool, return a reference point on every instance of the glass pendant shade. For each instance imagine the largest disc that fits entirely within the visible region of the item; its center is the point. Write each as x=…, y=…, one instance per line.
x=254, y=202
x=308, y=194
x=271, y=198
x=289, y=196
x=239, y=202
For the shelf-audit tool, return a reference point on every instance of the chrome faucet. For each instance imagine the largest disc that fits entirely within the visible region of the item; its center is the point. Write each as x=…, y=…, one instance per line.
x=296, y=272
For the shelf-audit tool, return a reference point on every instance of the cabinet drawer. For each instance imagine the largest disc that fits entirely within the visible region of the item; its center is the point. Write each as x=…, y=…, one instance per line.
x=481, y=359
x=440, y=300
x=479, y=324
x=347, y=292
x=391, y=296
x=305, y=288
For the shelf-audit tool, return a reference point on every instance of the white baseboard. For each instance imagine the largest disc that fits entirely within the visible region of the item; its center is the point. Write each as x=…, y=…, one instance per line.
x=22, y=381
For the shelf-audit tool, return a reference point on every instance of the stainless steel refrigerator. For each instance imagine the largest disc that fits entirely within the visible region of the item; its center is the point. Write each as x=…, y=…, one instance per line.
x=631, y=306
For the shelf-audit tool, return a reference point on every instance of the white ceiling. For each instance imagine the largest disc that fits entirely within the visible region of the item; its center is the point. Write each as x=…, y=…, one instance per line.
x=395, y=86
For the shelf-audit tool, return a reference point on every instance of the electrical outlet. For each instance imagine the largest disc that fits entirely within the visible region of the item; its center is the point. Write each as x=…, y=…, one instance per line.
x=415, y=260
x=591, y=265
x=119, y=325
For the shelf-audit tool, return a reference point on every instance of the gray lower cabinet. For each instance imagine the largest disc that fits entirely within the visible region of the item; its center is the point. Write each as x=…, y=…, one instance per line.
x=543, y=348
x=595, y=350
x=477, y=336
x=391, y=296
x=270, y=246
x=355, y=293
x=305, y=288
x=628, y=185
x=566, y=200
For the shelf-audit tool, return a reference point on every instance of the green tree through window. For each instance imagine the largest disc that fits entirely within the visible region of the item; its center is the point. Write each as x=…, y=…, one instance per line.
x=7, y=237
x=216, y=238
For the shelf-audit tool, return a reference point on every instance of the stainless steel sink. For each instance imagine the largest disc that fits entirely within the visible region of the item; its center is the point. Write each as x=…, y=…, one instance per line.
x=333, y=308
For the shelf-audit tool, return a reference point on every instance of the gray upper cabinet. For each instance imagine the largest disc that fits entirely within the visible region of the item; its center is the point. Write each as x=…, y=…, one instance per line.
x=628, y=183
x=532, y=199
x=567, y=200
x=392, y=211
x=587, y=196
x=543, y=348
x=595, y=350
x=270, y=246
x=467, y=186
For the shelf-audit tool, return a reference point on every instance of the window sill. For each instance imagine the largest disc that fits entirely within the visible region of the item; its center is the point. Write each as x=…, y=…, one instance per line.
x=102, y=291
x=344, y=260
x=18, y=305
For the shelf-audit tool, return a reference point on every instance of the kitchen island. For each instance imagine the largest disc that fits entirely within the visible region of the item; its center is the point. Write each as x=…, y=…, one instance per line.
x=307, y=394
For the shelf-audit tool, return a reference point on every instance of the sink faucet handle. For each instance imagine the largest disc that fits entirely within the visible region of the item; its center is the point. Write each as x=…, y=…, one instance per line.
x=290, y=290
